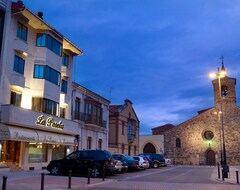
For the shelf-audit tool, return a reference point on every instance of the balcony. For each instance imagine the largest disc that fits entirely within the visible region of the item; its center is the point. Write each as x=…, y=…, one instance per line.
x=90, y=119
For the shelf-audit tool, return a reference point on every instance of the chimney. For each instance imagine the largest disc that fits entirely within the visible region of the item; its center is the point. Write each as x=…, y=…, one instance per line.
x=20, y=2
x=40, y=14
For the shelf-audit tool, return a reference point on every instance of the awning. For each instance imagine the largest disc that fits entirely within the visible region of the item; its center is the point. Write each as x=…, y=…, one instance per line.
x=35, y=136
x=18, y=134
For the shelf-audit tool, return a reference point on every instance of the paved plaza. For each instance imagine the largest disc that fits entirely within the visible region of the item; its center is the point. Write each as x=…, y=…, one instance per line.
x=31, y=180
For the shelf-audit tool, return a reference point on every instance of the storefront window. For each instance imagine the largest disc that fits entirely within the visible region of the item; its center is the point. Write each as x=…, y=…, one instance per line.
x=37, y=152
x=58, y=152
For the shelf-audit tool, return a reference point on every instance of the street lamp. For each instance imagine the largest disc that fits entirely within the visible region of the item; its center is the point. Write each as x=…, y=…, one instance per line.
x=221, y=74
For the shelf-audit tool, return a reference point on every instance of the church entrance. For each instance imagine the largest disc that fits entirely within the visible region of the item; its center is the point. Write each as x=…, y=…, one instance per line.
x=210, y=158
x=149, y=148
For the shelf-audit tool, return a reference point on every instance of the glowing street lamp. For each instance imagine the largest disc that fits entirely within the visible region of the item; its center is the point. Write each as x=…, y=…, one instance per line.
x=221, y=74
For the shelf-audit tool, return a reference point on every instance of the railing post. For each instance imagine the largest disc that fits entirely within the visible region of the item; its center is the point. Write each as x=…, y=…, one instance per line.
x=237, y=177
x=42, y=181
x=89, y=170
x=4, y=184
x=69, y=179
x=218, y=171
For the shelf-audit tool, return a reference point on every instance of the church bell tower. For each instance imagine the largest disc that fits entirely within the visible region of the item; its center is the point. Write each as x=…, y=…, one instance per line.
x=224, y=89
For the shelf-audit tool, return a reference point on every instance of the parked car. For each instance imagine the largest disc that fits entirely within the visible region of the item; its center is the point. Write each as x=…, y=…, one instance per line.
x=143, y=162
x=79, y=162
x=132, y=164
x=158, y=160
x=118, y=166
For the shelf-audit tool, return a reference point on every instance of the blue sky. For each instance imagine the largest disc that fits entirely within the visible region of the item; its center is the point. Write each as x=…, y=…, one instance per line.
x=157, y=53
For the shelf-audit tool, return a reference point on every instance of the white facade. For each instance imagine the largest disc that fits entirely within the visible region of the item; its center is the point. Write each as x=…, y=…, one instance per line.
x=37, y=99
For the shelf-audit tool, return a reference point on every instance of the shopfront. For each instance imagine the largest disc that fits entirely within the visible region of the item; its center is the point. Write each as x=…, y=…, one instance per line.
x=33, y=148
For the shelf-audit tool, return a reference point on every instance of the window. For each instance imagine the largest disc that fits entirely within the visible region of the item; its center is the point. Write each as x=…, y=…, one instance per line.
x=65, y=60
x=123, y=123
x=19, y=64
x=178, y=143
x=16, y=98
x=88, y=108
x=37, y=152
x=46, y=72
x=64, y=86
x=131, y=129
x=208, y=135
x=89, y=143
x=22, y=31
x=123, y=147
x=44, y=105
x=129, y=150
x=100, y=144
x=77, y=108
x=135, y=150
x=93, y=112
x=62, y=112
x=45, y=40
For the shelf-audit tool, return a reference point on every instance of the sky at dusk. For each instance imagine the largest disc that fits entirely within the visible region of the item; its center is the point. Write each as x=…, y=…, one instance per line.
x=156, y=53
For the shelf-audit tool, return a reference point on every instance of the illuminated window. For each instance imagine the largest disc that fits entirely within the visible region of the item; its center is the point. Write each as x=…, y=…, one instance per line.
x=44, y=105
x=19, y=64
x=22, y=31
x=16, y=98
x=37, y=152
x=62, y=112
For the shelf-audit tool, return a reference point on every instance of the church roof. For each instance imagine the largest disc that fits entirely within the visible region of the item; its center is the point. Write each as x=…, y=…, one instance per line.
x=161, y=129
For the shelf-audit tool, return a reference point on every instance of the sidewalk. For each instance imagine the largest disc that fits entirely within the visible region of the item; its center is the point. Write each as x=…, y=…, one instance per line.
x=29, y=180
x=232, y=178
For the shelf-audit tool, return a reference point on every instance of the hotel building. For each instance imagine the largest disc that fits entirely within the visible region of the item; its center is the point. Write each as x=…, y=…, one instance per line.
x=43, y=114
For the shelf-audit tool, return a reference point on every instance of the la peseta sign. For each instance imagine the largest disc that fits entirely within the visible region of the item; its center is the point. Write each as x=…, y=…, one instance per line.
x=49, y=122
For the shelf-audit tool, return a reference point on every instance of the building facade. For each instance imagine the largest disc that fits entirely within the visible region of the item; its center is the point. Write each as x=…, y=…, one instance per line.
x=151, y=144
x=123, y=129
x=199, y=140
x=38, y=97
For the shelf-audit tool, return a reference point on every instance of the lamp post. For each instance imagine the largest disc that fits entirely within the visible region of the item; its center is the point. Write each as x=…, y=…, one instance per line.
x=221, y=74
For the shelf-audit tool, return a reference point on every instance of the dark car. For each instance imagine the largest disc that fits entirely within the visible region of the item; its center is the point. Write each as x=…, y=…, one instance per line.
x=157, y=160
x=132, y=164
x=79, y=162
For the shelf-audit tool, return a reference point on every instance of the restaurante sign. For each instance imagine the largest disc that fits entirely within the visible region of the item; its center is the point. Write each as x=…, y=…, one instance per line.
x=49, y=122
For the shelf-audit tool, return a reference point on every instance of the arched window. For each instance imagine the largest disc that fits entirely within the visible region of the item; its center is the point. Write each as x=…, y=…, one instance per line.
x=178, y=143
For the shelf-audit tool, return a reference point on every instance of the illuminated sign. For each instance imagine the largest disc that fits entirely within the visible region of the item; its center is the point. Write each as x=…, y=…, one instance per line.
x=49, y=122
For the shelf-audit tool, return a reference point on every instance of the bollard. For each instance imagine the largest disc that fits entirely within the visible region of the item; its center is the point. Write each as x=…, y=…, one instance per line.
x=218, y=171
x=222, y=175
x=69, y=179
x=42, y=181
x=89, y=170
x=103, y=174
x=4, y=184
x=237, y=177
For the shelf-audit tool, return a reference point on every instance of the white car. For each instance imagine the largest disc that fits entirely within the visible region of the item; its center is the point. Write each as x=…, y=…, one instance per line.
x=143, y=163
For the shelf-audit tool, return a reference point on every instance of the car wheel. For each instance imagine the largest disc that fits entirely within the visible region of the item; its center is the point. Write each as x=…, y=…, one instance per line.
x=95, y=172
x=55, y=170
x=155, y=165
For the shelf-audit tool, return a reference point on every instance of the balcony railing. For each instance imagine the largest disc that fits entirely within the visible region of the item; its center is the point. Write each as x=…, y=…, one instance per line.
x=90, y=119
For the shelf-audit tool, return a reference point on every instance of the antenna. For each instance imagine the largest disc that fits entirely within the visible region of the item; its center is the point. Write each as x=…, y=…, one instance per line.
x=110, y=93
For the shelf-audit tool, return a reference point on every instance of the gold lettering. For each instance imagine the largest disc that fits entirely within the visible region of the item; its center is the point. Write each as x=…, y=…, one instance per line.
x=49, y=123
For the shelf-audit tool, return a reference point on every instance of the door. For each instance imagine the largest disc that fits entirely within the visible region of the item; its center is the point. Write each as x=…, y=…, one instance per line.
x=210, y=158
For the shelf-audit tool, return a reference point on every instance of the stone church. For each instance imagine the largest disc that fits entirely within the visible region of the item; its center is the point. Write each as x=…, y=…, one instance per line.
x=199, y=140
